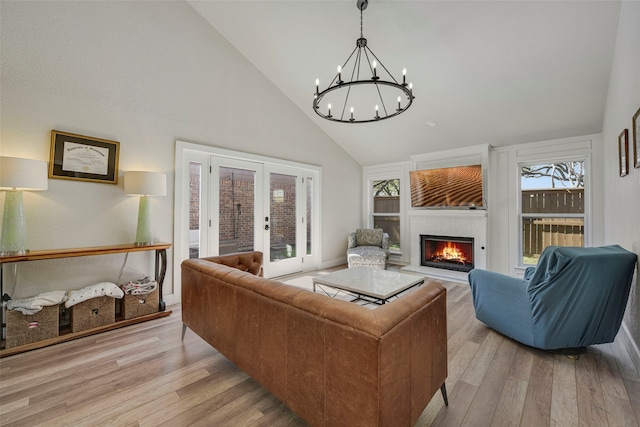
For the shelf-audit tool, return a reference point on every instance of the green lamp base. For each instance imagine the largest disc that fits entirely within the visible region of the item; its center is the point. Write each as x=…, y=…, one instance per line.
x=13, y=240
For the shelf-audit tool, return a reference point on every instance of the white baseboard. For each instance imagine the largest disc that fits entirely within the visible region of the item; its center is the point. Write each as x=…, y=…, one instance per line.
x=170, y=299
x=439, y=273
x=333, y=263
x=631, y=346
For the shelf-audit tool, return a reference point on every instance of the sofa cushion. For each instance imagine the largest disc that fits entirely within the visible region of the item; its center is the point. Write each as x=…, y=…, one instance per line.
x=367, y=251
x=369, y=237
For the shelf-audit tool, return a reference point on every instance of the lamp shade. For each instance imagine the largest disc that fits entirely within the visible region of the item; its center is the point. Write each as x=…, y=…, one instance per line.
x=23, y=174
x=142, y=183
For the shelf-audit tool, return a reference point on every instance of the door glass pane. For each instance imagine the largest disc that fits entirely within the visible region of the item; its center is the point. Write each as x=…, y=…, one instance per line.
x=552, y=207
x=282, y=216
x=195, y=177
x=309, y=217
x=237, y=206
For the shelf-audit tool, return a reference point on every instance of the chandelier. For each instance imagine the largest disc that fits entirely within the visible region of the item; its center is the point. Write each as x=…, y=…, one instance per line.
x=374, y=96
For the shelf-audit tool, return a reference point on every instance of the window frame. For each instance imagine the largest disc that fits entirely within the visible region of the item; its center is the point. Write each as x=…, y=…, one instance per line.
x=374, y=215
x=586, y=215
x=386, y=172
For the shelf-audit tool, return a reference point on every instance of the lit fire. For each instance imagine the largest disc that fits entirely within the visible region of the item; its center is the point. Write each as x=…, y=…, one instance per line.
x=451, y=252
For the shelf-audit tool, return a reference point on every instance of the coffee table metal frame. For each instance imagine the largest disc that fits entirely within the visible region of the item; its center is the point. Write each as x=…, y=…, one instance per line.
x=367, y=284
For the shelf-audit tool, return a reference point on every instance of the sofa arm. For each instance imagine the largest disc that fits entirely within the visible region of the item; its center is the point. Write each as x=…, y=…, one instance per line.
x=528, y=273
x=244, y=261
x=351, y=240
x=385, y=243
x=502, y=302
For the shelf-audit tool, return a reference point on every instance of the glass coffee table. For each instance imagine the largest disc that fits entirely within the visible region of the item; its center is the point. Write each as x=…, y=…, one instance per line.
x=367, y=284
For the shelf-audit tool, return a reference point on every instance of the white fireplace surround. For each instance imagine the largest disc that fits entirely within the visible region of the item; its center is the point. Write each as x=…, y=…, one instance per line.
x=448, y=222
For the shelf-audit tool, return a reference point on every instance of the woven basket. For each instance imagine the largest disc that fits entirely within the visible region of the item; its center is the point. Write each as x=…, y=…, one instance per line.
x=140, y=305
x=25, y=329
x=93, y=313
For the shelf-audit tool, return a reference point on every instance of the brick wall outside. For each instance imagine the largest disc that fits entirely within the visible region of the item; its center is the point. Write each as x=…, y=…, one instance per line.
x=283, y=215
x=194, y=195
x=236, y=223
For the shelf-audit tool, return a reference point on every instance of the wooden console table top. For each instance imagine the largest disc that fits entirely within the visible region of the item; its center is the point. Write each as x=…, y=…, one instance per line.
x=77, y=252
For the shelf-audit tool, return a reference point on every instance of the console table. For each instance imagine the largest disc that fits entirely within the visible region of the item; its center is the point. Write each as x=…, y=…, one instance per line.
x=160, y=271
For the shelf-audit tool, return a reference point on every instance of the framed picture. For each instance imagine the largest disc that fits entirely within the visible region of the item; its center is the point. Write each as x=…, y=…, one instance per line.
x=623, y=152
x=83, y=158
x=636, y=139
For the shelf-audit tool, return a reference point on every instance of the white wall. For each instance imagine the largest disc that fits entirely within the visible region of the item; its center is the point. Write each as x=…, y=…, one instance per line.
x=622, y=194
x=145, y=74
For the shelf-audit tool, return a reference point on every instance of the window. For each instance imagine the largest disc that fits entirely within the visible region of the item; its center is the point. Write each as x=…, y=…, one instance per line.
x=195, y=211
x=386, y=210
x=553, y=207
x=309, y=216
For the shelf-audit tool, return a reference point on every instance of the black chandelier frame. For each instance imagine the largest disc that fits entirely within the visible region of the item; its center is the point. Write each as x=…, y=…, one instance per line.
x=337, y=84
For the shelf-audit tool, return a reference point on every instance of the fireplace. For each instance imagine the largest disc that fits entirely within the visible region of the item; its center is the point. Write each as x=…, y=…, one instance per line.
x=451, y=253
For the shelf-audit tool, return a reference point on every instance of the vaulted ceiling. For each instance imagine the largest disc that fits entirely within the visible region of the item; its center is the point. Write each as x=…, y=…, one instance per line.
x=485, y=72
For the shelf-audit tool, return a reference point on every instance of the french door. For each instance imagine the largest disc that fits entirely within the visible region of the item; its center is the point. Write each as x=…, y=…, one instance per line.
x=263, y=207
x=227, y=201
x=284, y=221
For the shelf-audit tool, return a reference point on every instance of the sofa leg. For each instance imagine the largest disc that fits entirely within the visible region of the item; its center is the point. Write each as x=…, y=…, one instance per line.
x=443, y=390
x=184, y=329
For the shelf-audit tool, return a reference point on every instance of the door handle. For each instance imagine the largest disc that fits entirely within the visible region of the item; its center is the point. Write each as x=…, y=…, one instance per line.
x=266, y=227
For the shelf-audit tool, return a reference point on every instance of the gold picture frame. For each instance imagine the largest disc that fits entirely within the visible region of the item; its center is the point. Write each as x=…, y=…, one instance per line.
x=623, y=152
x=83, y=158
x=636, y=139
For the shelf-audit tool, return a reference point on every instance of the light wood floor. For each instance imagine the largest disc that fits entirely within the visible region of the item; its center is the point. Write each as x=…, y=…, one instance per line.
x=144, y=375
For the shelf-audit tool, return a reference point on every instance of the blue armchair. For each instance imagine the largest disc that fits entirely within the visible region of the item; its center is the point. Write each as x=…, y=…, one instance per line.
x=573, y=298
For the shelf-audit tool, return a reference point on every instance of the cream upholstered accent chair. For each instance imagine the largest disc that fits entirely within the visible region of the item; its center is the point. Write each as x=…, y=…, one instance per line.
x=368, y=248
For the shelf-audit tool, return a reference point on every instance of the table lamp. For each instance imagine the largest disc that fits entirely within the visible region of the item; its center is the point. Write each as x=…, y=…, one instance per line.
x=17, y=175
x=144, y=184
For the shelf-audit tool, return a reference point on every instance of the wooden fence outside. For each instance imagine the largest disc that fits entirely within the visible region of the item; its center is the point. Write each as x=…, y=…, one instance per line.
x=538, y=233
x=390, y=224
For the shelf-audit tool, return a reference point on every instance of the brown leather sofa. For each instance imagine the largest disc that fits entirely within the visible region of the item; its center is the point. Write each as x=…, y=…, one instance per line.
x=333, y=362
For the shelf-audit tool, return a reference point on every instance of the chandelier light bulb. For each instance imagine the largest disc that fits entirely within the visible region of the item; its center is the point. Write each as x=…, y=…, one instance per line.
x=404, y=76
x=374, y=65
x=329, y=108
x=399, y=99
x=351, y=114
x=339, y=74
x=317, y=86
